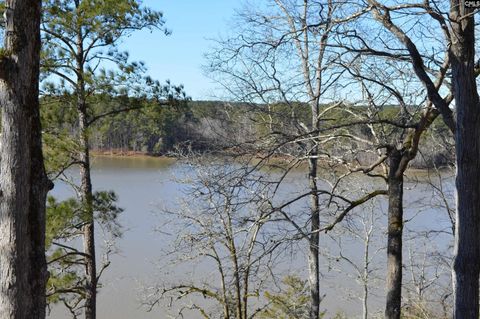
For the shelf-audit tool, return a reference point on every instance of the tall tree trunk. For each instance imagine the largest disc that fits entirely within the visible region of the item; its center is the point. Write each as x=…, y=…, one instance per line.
x=86, y=191
x=39, y=187
x=395, y=230
x=366, y=274
x=313, y=244
x=89, y=227
x=467, y=242
x=236, y=268
x=365, y=301
x=236, y=276
x=23, y=182
x=314, y=239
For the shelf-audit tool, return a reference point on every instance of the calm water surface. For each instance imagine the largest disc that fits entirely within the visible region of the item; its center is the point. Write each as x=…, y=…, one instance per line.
x=145, y=185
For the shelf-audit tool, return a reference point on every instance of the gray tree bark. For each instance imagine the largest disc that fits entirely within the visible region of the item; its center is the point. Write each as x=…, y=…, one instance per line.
x=314, y=239
x=466, y=264
x=86, y=190
x=23, y=182
x=86, y=193
x=394, y=241
x=314, y=242
x=89, y=227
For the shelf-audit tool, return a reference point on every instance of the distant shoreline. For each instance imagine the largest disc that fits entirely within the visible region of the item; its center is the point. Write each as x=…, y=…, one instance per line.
x=129, y=154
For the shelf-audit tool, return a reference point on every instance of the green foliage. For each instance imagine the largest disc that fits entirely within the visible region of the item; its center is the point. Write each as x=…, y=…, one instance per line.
x=213, y=125
x=65, y=220
x=421, y=309
x=59, y=143
x=81, y=40
x=57, y=151
x=86, y=79
x=340, y=315
x=107, y=212
x=292, y=303
x=148, y=127
x=81, y=61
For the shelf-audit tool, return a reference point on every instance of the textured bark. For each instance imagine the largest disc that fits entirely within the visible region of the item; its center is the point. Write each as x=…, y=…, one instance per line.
x=366, y=275
x=467, y=242
x=86, y=191
x=86, y=194
x=23, y=182
x=394, y=244
x=314, y=239
x=236, y=270
x=399, y=159
x=313, y=247
x=89, y=241
x=39, y=187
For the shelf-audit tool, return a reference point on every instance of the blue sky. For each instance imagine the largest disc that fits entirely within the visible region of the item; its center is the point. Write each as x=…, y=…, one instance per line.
x=179, y=57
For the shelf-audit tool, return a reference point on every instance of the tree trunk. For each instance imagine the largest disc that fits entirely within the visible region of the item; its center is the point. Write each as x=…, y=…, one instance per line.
x=23, y=182
x=394, y=244
x=313, y=252
x=366, y=275
x=89, y=227
x=86, y=192
x=365, y=302
x=236, y=276
x=39, y=187
x=467, y=242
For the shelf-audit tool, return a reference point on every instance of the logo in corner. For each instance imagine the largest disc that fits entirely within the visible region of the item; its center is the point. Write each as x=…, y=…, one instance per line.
x=472, y=4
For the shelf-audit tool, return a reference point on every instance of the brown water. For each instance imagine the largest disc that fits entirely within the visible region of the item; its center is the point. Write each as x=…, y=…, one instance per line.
x=145, y=185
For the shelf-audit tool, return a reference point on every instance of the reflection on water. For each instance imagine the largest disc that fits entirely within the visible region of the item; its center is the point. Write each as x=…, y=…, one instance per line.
x=145, y=185
x=132, y=162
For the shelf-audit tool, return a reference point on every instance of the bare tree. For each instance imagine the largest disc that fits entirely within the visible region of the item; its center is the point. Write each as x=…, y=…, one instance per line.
x=429, y=293
x=363, y=227
x=282, y=58
x=253, y=68
x=457, y=23
x=381, y=66
x=402, y=145
x=224, y=225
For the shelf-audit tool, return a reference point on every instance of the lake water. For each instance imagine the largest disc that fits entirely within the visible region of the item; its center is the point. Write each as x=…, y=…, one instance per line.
x=146, y=185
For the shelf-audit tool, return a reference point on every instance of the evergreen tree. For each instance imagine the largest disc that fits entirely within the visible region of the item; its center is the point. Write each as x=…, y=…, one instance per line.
x=81, y=38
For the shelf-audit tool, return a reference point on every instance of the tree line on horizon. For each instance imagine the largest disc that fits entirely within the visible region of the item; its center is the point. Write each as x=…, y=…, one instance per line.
x=202, y=126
